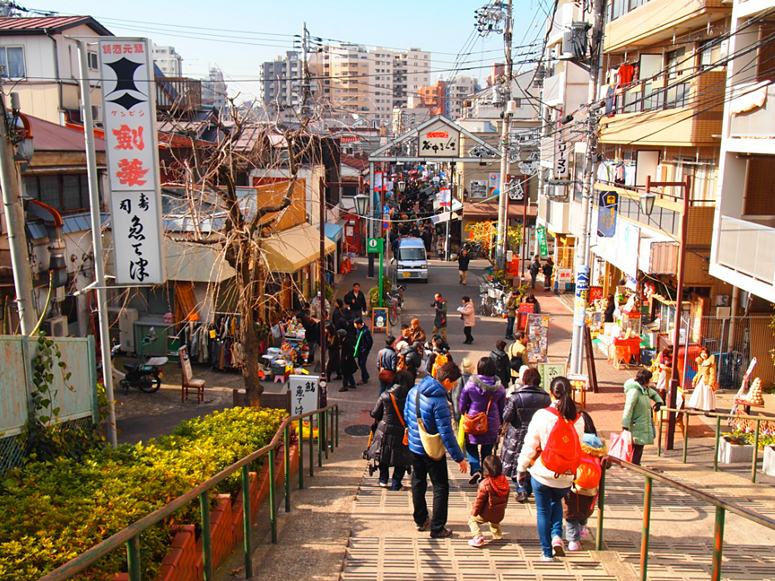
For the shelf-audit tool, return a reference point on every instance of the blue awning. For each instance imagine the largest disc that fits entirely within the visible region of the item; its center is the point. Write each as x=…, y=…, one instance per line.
x=333, y=232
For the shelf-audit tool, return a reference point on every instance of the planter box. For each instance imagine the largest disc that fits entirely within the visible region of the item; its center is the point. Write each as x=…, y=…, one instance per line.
x=769, y=460
x=729, y=453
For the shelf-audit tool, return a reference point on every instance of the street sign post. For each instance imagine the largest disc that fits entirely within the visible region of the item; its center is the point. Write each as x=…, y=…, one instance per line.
x=377, y=246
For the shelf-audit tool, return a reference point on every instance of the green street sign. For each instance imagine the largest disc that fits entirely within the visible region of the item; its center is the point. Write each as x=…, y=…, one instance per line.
x=375, y=245
x=542, y=246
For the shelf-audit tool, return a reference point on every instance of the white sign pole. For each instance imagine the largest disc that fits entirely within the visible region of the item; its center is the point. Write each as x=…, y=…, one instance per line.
x=96, y=235
x=304, y=393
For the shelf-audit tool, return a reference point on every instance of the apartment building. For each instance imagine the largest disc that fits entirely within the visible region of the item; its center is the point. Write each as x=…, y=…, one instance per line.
x=380, y=78
x=743, y=252
x=412, y=70
x=458, y=90
x=168, y=60
x=434, y=98
x=663, y=84
x=281, y=82
x=215, y=92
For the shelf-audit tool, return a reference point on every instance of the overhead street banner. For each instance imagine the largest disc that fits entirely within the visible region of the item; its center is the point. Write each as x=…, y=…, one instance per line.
x=129, y=107
x=438, y=140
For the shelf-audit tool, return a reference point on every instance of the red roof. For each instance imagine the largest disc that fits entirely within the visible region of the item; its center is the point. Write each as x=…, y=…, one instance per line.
x=39, y=25
x=47, y=136
x=352, y=161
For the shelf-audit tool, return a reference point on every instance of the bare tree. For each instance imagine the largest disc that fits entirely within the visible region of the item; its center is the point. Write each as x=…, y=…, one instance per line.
x=211, y=172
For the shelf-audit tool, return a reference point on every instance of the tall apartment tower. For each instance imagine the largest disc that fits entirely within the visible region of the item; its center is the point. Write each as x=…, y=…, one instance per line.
x=281, y=81
x=215, y=90
x=168, y=61
x=411, y=71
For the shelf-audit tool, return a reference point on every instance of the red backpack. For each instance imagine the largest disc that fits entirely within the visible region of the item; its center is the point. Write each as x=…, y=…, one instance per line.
x=562, y=453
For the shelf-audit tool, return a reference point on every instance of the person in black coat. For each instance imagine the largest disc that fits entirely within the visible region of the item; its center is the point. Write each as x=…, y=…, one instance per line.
x=349, y=366
x=364, y=342
x=462, y=265
x=610, y=309
x=519, y=410
x=311, y=332
x=387, y=447
x=337, y=313
x=502, y=362
x=334, y=352
x=410, y=358
x=356, y=301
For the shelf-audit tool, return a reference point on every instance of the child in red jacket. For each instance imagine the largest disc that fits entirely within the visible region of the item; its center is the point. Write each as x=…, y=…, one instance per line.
x=492, y=497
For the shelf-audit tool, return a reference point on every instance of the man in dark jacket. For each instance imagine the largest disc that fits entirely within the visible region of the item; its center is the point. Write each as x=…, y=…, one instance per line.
x=311, y=332
x=428, y=400
x=534, y=268
x=440, y=321
x=462, y=265
x=502, y=367
x=548, y=270
x=520, y=408
x=356, y=300
x=411, y=356
x=363, y=344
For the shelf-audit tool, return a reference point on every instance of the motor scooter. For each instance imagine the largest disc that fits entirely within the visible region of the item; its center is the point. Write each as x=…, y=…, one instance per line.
x=146, y=373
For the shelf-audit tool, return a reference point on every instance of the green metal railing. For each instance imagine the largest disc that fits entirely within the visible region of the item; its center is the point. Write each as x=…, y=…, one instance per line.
x=722, y=507
x=688, y=413
x=130, y=536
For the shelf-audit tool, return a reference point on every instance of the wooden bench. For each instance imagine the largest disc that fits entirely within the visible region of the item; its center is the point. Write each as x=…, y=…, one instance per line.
x=187, y=378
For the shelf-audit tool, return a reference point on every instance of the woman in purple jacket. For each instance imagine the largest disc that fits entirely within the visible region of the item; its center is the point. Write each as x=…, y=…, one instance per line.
x=483, y=393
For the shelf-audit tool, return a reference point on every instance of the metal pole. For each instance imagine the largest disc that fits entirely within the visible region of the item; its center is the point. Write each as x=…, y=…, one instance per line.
x=600, y=510
x=322, y=278
x=96, y=234
x=661, y=417
x=674, y=381
x=207, y=550
x=14, y=218
x=686, y=436
x=715, y=448
x=134, y=564
x=582, y=246
x=247, y=529
x=287, y=450
x=644, y=543
x=525, y=231
x=301, y=455
x=718, y=544
x=272, y=504
x=369, y=220
x=755, y=451
x=500, y=251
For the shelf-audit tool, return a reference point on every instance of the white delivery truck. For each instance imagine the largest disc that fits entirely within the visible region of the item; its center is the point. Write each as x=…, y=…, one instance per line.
x=411, y=260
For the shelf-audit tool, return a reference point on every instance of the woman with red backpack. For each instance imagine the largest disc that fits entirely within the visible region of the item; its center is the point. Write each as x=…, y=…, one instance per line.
x=552, y=454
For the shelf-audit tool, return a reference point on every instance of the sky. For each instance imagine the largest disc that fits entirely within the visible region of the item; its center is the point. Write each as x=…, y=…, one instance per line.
x=238, y=35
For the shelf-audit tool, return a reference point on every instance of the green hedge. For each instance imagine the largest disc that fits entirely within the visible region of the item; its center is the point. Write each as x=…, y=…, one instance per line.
x=54, y=511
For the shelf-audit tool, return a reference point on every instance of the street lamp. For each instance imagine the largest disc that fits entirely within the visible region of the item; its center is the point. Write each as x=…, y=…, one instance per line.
x=647, y=202
x=361, y=204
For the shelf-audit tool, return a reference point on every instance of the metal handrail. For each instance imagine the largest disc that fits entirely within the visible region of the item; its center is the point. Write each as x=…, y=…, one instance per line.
x=722, y=506
x=719, y=416
x=130, y=535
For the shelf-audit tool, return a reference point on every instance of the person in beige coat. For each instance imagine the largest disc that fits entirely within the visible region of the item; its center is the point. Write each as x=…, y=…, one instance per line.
x=704, y=396
x=466, y=311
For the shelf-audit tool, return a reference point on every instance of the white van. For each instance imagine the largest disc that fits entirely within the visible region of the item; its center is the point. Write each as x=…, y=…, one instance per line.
x=411, y=260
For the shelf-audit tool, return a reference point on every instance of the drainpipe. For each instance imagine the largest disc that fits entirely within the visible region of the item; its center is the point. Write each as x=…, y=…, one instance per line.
x=50, y=34
x=56, y=245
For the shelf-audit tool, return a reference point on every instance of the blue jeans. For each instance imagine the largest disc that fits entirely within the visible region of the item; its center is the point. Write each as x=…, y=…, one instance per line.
x=476, y=455
x=549, y=511
x=383, y=386
x=528, y=485
x=510, y=326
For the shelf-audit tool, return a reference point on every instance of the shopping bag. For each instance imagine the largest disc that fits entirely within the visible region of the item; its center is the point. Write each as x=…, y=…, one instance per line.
x=621, y=446
x=461, y=435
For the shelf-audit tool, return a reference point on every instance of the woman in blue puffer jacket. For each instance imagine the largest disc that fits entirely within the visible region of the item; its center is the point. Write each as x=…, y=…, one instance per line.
x=483, y=390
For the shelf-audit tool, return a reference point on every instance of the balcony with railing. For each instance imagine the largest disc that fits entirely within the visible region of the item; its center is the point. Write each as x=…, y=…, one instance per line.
x=634, y=23
x=178, y=93
x=681, y=110
x=748, y=248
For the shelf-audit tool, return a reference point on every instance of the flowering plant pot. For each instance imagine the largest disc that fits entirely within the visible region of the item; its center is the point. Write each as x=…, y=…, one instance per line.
x=730, y=452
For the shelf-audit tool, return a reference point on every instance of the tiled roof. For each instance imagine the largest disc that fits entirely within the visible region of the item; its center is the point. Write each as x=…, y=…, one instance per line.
x=356, y=162
x=39, y=25
x=47, y=136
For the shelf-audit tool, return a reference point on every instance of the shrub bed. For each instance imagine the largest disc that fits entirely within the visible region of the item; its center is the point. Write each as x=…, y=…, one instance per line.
x=53, y=511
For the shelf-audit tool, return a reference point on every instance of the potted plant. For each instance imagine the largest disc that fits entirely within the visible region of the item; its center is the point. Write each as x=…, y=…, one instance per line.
x=769, y=459
x=735, y=447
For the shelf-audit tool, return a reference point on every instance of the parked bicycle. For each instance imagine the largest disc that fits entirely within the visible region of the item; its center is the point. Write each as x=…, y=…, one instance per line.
x=492, y=302
x=395, y=302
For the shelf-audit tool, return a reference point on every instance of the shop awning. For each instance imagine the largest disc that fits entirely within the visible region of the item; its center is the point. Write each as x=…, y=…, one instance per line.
x=333, y=232
x=489, y=210
x=196, y=262
x=294, y=248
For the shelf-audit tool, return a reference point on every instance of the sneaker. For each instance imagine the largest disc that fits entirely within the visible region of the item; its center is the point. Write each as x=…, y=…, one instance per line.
x=384, y=485
x=522, y=497
x=424, y=525
x=442, y=534
x=574, y=546
x=344, y=389
x=476, y=542
x=475, y=478
x=585, y=532
x=362, y=382
x=547, y=559
x=558, y=548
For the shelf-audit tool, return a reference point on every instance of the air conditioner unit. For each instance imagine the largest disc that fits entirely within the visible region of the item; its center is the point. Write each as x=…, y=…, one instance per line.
x=122, y=327
x=56, y=326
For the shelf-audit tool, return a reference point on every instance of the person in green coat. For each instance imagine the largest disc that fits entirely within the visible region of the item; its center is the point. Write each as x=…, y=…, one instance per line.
x=638, y=418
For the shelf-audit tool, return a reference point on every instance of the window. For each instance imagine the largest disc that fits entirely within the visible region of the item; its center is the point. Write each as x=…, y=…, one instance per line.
x=12, y=62
x=93, y=64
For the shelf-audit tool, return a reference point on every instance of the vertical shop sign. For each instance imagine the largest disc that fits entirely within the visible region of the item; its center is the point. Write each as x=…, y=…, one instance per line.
x=606, y=214
x=129, y=106
x=543, y=247
x=582, y=295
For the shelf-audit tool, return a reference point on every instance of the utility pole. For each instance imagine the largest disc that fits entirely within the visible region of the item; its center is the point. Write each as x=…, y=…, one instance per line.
x=96, y=236
x=14, y=220
x=582, y=246
x=503, y=218
x=305, y=84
